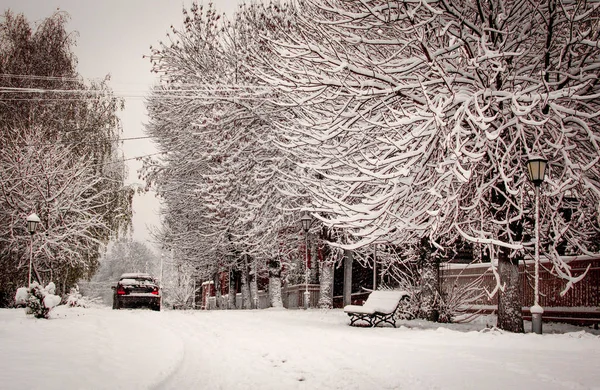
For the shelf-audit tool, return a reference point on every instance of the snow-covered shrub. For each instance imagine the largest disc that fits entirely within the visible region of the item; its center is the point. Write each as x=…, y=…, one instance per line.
x=458, y=299
x=51, y=288
x=21, y=297
x=179, y=296
x=76, y=299
x=41, y=300
x=179, y=289
x=406, y=278
x=453, y=304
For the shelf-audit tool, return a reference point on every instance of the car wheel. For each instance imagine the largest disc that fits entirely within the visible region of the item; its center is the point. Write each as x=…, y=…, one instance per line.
x=116, y=304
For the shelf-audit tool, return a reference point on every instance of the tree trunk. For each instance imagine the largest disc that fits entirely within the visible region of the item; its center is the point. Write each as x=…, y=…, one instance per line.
x=275, y=283
x=246, y=302
x=326, y=284
x=254, y=284
x=64, y=284
x=510, y=316
x=217, y=281
x=348, y=260
x=231, y=291
x=430, y=283
x=314, y=270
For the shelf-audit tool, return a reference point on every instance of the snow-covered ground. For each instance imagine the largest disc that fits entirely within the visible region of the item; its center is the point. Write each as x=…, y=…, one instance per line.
x=99, y=348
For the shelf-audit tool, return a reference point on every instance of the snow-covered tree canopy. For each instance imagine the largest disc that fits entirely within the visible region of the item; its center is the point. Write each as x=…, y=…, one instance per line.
x=396, y=120
x=59, y=157
x=220, y=176
x=417, y=119
x=420, y=116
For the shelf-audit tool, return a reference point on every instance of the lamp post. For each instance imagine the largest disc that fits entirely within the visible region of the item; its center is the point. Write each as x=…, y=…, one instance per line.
x=32, y=222
x=230, y=257
x=536, y=169
x=306, y=221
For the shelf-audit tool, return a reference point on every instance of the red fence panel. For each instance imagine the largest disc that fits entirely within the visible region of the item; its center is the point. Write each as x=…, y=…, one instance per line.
x=581, y=300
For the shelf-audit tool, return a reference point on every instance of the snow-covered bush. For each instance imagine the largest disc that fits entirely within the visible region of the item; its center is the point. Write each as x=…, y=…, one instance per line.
x=51, y=288
x=407, y=279
x=453, y=304
x=179, y=295
x=75, y=299
x=21, y=297
x=41, y=300
x=458, y=300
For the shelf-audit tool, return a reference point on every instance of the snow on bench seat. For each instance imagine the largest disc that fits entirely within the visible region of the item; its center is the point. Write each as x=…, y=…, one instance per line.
x=380, y=307
x=359, y=309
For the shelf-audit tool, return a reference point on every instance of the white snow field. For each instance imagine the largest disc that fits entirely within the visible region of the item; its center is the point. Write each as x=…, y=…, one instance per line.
x=100, y=348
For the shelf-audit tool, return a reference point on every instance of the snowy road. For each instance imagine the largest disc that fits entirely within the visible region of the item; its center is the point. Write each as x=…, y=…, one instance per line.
x=279, y=349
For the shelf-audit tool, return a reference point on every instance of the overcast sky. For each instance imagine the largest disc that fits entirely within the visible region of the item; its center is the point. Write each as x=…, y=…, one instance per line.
x=113, y=35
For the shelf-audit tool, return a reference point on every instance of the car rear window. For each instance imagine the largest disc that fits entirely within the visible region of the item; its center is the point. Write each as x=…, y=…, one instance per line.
x=128, y=281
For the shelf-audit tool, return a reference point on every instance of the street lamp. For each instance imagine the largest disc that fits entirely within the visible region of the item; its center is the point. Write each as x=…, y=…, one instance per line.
x=306, y=221
x=32, y=222
x=536, y=169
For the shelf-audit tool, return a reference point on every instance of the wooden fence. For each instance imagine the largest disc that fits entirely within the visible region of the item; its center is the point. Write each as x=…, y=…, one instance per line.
x=292, y=297
x=580, y=304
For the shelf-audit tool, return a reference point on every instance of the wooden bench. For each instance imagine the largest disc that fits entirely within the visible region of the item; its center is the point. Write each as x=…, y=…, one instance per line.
x=380, y=307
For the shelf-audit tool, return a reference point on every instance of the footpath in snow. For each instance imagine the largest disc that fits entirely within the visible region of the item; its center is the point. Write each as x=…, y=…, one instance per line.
x=99, y=348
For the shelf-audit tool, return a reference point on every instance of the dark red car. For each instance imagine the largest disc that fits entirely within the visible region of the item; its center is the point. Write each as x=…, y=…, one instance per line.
x=137, y=290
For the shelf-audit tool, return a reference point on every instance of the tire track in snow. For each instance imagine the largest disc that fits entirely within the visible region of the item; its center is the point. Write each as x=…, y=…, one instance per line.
x=148, y=351
x=234, y=350
x=186, y=374
x=177, y=369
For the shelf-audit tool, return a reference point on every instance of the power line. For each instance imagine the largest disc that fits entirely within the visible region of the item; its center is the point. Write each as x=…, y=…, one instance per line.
x=198, y=88
x=217, y=93
x=178, y=97
x=161, y=91
x=168, y=94
x=178, y=84
x=132, y=138
x=74, y=169
x=36, y=77
x=66, y=142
